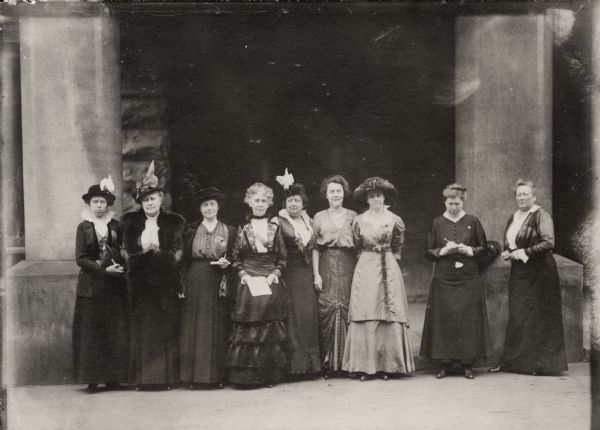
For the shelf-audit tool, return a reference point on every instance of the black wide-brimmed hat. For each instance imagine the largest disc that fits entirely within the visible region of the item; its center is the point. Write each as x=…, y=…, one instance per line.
x=375, y=184
x=209, y=193
x=148, y=184
x=104, y=189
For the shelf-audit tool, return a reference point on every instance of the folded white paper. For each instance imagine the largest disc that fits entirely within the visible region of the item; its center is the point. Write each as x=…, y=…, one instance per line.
x=258, y=286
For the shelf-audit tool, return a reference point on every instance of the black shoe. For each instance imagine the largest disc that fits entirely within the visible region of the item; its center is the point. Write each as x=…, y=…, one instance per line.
x=495, y=369
x=92, y=388
x=441, y=373
x=365, y=377
x=468, y=372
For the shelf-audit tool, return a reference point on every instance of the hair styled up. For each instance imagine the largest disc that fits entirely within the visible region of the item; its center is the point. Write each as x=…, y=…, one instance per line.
x=526, y=183
x=455, y=190
x=336, y=179
x=256, y=188
x=295, y=190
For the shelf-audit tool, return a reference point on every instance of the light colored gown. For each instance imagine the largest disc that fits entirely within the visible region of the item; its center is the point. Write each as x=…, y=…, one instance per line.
x=377, y=338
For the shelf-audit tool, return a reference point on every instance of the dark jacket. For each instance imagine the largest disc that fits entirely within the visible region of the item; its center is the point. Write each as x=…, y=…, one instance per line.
x=87, y=252
x=536, y=235
x=153, y=272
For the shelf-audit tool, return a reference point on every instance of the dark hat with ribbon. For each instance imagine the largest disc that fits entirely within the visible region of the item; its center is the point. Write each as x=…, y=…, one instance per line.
x=375, y=184
x=105, y=189
x=148, y=184
x=209, y=193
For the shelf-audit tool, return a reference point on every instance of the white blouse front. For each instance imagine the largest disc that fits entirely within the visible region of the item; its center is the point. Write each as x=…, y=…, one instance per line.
x=260, y=228
x=518, y=219
x=149, y=237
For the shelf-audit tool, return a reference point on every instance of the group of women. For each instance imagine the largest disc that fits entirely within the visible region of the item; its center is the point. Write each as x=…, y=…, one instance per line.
x=284, y=296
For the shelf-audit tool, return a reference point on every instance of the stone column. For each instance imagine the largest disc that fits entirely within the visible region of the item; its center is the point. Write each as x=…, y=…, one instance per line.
x=504, y=132
x=71, y=124
x=504, y=128
x=71, y=138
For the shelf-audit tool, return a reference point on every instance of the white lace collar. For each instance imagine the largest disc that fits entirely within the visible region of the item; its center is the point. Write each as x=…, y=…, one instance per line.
x=87, y=215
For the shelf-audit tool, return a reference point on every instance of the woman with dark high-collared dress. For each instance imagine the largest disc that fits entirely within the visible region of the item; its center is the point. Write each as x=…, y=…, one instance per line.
x=205, y=321
x=456, y=328
x=100, y=334
x=152, y=240
x=257, y=352
x=534, y=341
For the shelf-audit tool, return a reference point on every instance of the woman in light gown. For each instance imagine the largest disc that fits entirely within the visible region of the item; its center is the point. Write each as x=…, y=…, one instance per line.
x=378, y=341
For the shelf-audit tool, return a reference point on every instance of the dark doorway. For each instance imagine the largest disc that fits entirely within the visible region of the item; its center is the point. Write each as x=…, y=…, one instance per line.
x=249, y=95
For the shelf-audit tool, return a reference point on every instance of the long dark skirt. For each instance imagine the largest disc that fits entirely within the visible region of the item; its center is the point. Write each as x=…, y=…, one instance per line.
x=534, y=336
x=456, y=325
x=154, y=339
x=100, y=336
x=258, y=349
x=205, y=325
x=303, y=322
x=336, y=267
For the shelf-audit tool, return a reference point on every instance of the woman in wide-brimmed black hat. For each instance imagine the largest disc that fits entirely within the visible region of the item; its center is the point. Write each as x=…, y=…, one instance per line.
x=378, y=341
x=100, y=335
x=205, y=321
x=152, y=239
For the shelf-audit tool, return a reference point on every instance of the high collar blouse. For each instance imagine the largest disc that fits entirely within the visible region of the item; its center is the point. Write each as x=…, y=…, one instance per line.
x=149, y=238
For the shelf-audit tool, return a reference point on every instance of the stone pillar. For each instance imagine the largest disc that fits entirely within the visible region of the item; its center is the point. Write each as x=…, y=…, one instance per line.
x=71, y=124
x=504, y=129
x=592, y=232
x=71, y=138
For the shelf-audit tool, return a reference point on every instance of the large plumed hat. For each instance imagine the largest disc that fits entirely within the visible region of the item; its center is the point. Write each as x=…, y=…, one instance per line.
x=291, y=188
x=375, y=184
x=105, y=189
x=209, y=193
x=148, y=184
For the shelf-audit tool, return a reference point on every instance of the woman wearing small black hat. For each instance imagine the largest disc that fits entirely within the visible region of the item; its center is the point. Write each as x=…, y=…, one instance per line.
x=152, y=240
x=378, y=341
x=303, y=322
x=205, y=321
x=100, y=335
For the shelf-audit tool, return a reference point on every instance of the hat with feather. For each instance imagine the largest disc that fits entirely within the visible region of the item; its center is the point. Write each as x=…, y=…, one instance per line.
x=291, y=188
x=375, y=184
x=106, y=189
x=148, y=184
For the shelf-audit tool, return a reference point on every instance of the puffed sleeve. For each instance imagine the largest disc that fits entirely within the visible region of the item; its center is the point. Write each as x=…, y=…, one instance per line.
x=432, y=249
x=398, y=238
x=281, y=252
x=545, y=233
x=479, y=244
x=237, y=253
x=82, y=259
x=356, y=236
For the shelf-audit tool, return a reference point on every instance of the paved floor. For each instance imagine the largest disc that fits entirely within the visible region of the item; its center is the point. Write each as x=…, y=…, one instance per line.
x=501, y=401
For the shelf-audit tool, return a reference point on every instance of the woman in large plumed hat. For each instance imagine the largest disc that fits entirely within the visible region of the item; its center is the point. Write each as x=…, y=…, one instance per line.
x=205, y=321
x=377, y=341
x=100, y=336
x=152, y=238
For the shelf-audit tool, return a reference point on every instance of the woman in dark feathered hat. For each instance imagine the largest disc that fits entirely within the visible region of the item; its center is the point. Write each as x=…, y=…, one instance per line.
x=205, y=321
x=100, y=334
x=378, y=340
x=152, y=238
x=303, y=323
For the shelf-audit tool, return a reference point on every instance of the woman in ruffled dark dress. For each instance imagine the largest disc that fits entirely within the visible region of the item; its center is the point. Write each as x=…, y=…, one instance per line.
x=303, y=323
x=205, y=320
x=100, y=333
x=333, y=260
x=456, y=328
x=257, y=353
x=152, y=240
x=534, y=341
x=378, y=341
